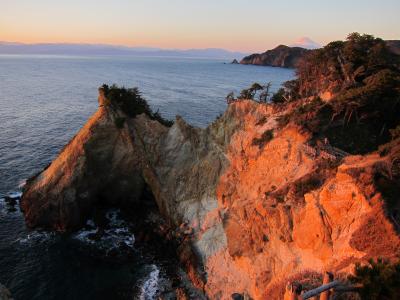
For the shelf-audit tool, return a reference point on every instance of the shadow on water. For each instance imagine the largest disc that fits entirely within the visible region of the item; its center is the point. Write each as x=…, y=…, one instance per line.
x=119, y=254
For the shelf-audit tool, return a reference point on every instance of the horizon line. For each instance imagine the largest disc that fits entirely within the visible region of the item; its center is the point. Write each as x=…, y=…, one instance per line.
x=120, y=46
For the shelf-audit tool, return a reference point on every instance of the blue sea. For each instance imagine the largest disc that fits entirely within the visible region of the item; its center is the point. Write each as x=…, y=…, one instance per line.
x=44, y=101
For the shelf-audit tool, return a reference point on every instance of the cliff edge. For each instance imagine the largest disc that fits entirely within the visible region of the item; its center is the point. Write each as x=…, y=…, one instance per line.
x=258, y=211
x=264, y=194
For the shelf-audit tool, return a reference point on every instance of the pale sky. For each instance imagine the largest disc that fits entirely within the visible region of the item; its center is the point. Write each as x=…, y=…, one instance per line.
x=245, y=25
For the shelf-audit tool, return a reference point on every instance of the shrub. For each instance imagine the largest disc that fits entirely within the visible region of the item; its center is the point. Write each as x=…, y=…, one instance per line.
x=119, y=122
x=364, y=79
x=131, y=102
x=283, y=120
x=263, y=92
x=264, y=139
x=379, y=279
x=230, y=97
x=279, y=96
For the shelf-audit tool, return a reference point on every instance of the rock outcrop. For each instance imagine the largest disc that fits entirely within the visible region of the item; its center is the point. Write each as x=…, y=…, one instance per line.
x=255, y=211
x=281, y=56
x=99, y=164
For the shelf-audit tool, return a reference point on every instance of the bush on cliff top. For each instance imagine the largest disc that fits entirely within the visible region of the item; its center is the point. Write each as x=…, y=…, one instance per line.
x=364, y=79
x=379, y=280
x=261, y=92
x=131, y=102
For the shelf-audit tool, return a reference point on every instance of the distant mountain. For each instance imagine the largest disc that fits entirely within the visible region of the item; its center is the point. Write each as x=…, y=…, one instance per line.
x=281, y=56
x=99, y=49
x=306, y=43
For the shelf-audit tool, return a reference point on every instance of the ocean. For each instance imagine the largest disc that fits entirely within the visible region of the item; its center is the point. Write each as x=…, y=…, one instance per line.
x=44, y=101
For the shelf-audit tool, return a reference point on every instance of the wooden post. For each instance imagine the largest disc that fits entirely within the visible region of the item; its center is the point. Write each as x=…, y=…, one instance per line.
x=328, y=277
x=292, y=291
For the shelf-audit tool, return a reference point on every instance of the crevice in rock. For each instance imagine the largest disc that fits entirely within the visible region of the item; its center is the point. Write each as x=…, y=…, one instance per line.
x=154, y=239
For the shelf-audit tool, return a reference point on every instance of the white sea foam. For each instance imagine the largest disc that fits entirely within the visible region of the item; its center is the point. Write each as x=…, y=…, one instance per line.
x=36, y=236
x=112, y=238
x=112, y=216
x=90, y=223
x=150, y=287
x=83, y=236
x=22, y=183
x=15, y=195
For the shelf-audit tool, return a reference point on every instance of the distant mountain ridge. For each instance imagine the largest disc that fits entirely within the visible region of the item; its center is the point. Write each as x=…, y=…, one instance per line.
x=281, y=56
x=100, y=49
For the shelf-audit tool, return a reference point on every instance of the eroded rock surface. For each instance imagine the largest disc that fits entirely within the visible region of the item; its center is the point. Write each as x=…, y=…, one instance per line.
x=253, y=209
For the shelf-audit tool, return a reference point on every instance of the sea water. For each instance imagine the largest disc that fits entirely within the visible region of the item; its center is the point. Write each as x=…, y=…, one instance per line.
x=44, y=101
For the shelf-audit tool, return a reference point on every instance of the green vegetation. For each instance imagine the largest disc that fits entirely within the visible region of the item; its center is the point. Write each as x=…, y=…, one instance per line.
x=265, y=138
x=364, y=78
x=379, y=280
x=287, y=93
x=279, y=96
x=119, y=122
x=256, y=91
x=230, y=97
x=131, y=102
x=342, y=65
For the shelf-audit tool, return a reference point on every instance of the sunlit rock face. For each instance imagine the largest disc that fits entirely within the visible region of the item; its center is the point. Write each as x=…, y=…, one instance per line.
x=253, y=201
x=100, y=164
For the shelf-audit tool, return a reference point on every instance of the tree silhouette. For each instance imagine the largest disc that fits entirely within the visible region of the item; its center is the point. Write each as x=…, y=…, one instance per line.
x=230, y=97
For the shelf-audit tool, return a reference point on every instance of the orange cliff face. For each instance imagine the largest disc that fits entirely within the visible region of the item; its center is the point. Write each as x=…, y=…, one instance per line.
x=278, y=223
x=256, y=203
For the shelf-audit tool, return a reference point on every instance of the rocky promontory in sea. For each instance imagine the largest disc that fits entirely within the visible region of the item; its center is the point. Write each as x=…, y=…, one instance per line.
x=281, y=56
x=266, y=194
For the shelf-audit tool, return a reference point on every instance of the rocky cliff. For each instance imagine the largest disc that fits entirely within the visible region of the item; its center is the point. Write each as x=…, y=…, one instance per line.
x=257, y=201
x=281, y=56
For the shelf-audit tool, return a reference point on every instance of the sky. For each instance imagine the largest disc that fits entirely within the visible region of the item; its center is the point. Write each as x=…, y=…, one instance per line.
x=241, y=25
